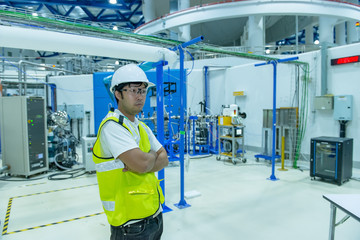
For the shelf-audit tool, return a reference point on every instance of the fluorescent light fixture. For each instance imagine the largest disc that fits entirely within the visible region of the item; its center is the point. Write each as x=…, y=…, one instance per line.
x=113, y=1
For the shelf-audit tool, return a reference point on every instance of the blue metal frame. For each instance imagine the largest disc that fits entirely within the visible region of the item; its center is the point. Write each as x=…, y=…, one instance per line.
x=182, y=203
x=273, y=156
x=160, y=120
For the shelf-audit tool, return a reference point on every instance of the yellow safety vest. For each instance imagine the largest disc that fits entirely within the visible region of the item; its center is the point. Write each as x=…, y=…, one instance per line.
x=127, y=195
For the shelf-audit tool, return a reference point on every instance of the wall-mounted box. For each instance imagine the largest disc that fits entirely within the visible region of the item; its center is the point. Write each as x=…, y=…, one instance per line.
x=343, y=107
x=324, y=102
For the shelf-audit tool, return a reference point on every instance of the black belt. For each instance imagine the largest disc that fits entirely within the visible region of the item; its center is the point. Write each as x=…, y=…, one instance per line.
x=144, y=221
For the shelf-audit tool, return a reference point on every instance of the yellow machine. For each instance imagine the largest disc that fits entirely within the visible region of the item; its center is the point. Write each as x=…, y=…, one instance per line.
x=224, y=120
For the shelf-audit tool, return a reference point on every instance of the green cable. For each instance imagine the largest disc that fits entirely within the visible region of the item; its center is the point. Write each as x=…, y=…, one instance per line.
x=303, y=114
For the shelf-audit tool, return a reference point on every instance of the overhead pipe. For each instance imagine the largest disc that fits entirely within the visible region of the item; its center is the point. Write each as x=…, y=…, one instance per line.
x=45, y=40
x=22, y=72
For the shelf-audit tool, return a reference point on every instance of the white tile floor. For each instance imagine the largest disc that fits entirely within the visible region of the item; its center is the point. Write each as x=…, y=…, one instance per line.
x=236, y=202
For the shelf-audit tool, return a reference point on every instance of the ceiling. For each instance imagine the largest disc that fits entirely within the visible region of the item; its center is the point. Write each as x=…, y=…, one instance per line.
x=124, y=13
x=129, y=14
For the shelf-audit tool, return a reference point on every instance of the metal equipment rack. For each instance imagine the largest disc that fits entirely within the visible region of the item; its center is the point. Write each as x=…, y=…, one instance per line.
x=233, y=137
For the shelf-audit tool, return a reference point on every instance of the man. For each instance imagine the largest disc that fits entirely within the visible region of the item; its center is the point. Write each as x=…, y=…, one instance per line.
x=126, y=155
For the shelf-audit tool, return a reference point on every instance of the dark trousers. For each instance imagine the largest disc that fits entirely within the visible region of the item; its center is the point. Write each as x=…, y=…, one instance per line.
x=147, y=229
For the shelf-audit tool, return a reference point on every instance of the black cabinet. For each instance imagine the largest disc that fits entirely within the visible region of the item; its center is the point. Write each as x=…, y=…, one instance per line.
x=331, y=158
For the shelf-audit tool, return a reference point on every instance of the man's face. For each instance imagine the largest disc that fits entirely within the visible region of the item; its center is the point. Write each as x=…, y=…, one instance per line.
x=133, y=98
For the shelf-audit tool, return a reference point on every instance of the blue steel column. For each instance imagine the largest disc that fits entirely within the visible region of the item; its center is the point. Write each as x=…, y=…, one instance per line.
x=206, y=72
x=182, y=203
x=272, y=177
x=274, y=63
x=160, y=120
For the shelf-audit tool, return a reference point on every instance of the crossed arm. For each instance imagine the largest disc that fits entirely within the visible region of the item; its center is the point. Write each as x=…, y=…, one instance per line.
x=136, y=160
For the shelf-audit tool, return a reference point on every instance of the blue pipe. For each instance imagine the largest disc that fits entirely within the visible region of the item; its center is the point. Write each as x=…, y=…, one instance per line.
x=273, y=177
x=206, y=72
x=182, y=203
x=160, y=120
x=192, y=41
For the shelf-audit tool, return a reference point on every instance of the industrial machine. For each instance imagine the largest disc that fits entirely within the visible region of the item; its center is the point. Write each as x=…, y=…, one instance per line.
x=200, y=134
x=331, y=159
x=23, y=135
x=231, y=134
x=62, y=143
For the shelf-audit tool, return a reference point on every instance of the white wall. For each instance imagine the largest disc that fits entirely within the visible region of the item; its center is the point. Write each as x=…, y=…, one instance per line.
x=76, y=89
x=257, y=84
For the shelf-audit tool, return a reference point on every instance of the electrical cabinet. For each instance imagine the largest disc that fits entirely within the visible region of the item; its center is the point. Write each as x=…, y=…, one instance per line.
x=343, y=106
x=23, y=135
x=323, y=102
x=331, y=159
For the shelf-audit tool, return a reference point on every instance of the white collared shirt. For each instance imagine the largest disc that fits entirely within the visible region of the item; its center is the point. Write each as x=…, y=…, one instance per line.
x=115, y=139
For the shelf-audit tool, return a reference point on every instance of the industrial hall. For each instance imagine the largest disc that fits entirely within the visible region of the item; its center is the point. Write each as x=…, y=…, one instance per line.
x=180, y=119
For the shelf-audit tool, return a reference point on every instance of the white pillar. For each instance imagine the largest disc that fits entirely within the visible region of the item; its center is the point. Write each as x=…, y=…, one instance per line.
x=184, y=34
x=326, y=29
x=340, y=34
x=309, y=35
x=148, y=9
x=256, y=39
x=352, y=32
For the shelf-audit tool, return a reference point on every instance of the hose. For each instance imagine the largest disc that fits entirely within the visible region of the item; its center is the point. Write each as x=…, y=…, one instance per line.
x=303, y=114
x=72, y=173
x=57, y=164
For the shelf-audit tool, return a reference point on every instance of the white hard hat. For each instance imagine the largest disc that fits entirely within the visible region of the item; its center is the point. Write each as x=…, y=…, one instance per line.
x=129, y=73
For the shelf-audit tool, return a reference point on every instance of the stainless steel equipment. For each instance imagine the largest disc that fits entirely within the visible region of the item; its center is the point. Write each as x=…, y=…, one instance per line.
x=23, y=135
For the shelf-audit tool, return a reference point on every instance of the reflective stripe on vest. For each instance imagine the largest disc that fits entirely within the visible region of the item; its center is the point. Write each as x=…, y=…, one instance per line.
x=108, y=205
x=109, y=165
